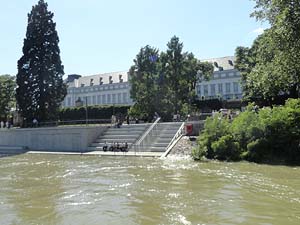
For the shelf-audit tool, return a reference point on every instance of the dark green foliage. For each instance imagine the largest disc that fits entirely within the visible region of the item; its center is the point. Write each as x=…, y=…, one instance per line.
x=269, y=135
x=94, y=112
x=165, y=83
x=40, y=89
x=270, y=68
x=144, y=78
x=226, y=148
x=214, y=128
x=7, y=92
x=211, y=104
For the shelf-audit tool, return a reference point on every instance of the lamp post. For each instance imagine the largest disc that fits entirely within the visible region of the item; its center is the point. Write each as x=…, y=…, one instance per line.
x=86, y=111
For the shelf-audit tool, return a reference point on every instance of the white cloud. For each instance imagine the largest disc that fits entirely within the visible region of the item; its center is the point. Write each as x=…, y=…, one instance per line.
x=258, y=31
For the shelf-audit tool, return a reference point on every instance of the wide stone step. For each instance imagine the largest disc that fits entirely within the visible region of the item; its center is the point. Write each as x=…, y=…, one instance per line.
x=100, y=148
x=162, y=133
x=160, y=145
x=160, y=138
x=108, y=144
x=157, y=149
x=168, y=127
x=119, y=136
x=111, y=140
x=128, y=128
x=122, y=132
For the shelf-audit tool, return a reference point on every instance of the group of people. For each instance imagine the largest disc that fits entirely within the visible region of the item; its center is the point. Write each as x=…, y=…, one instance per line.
x=176, y=117
x=117, y=121
x=115, y=147
x=6, y=124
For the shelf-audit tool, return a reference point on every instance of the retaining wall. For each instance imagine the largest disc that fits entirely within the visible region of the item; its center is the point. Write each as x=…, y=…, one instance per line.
x=75, y=139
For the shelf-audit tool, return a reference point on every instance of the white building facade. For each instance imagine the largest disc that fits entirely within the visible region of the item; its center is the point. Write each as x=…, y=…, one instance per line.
x=99, y=89
x=224, y=83
x=114, y=88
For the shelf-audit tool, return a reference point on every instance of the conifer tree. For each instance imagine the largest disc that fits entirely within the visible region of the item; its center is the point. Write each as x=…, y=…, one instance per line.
x=40, y=88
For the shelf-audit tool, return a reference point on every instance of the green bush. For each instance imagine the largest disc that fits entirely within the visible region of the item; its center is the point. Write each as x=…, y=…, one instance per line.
x=271, y=134
x=247, y=127
x=226, y=148
x=258, y=151
x=214, y=128
x=94, y=112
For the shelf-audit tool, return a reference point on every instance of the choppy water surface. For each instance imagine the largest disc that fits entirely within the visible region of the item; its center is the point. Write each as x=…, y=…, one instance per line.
x=57, y=189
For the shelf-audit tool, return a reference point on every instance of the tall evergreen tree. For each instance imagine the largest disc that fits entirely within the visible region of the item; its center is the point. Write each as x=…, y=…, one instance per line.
x=40, y=88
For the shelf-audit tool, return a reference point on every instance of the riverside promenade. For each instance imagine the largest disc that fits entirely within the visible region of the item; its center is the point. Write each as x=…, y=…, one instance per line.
x=101, y=153
x=144, y=140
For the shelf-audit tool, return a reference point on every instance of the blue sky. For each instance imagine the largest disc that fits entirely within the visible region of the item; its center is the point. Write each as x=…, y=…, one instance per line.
x=98, y=36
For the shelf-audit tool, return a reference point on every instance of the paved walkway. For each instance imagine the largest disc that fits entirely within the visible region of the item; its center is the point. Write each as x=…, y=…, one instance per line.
x=101, y=153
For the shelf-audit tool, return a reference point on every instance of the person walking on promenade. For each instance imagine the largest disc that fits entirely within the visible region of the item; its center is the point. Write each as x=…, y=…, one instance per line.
x=7, y=124
x=113, y=120
x=34, y=122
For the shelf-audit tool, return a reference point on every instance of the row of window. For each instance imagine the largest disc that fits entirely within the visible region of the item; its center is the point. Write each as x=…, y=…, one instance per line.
x=225, y=75
x=120, y=98
x=97, y=88
x=224, y=97
x=101, y=80
x=214, y=89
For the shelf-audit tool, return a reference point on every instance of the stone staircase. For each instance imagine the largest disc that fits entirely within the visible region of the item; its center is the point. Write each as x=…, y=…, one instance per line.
x=161, y=137
x=126, y=133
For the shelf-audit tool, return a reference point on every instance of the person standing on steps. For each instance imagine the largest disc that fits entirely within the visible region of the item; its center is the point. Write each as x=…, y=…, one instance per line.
x=113, y=120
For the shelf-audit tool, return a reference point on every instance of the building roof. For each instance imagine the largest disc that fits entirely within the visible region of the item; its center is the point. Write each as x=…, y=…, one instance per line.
x=222, y=63
x=116, y=77
x=227, y=63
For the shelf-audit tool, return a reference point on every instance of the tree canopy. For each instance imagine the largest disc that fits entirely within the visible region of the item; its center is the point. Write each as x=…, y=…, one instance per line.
x=270, y=68
x=165, y=83
x=7, y=94
x=40, y=88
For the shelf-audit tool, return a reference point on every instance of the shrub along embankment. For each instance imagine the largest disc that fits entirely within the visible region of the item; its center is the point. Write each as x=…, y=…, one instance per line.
x=269, y=135
x=94, y=112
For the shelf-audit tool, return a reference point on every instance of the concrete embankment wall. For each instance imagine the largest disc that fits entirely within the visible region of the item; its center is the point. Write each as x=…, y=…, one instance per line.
x=75, y=139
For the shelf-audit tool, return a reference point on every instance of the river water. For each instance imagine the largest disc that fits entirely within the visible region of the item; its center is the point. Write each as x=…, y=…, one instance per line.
x=64, y=189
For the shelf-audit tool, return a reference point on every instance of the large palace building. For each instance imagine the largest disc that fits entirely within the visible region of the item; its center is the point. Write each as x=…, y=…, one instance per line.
x=224, y=83
x=99, y=89
x=114, y=88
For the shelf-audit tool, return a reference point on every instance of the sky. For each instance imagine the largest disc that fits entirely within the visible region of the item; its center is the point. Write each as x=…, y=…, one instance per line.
x=98, y=36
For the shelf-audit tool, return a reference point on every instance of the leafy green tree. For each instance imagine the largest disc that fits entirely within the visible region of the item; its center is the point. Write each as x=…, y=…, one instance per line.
x=165, y=83
x=144, y=75
x=7, y=94
x=270, y=71
x=182, y=71
x=40, y=88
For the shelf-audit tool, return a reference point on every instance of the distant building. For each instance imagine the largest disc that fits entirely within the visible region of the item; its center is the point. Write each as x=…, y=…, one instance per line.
x=100, y=89
x=224, y=83
x=114, y=88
